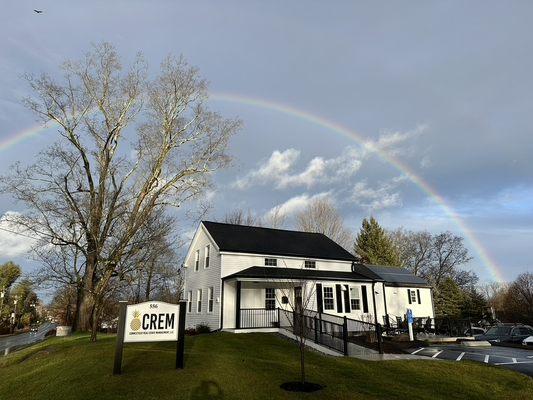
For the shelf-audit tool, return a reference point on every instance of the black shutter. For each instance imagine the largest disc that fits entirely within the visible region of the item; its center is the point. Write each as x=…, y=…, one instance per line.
x=319, y=304
x=418, y=295
x=365, y=299
x=339, y=298
x=409, y=295
x=346, y=299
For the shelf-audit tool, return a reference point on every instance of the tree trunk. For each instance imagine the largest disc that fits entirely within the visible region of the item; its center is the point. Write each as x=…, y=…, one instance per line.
x=149, y=283
x=87, y=303
x=79, y=298
x=302, y=361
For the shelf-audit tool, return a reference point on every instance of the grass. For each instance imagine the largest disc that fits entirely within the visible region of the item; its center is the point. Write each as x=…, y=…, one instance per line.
x=244, y=366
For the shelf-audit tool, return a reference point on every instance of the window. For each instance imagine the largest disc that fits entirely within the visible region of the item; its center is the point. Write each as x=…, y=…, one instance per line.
x=206, y=261
x=412, y=294
x=210, y=299
x=189, y=301
x=328, y=298
x=270, y=298
x=199, y=301
x=196, y=260
x=310, y=264
x=273, y=262
x=355, y=299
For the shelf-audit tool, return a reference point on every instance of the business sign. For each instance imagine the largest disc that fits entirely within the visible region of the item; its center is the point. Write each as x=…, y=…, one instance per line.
x=409, y=316
x=152, y=321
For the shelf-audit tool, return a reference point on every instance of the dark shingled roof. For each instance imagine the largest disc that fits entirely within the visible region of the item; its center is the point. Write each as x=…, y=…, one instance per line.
x=394, y=276
x=255, y=240
x=298, y=273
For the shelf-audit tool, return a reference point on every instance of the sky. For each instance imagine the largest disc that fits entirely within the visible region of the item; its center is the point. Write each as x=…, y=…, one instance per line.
x=389, y=109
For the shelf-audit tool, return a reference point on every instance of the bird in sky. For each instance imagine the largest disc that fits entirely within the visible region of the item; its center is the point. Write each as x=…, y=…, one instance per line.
x=38, y=11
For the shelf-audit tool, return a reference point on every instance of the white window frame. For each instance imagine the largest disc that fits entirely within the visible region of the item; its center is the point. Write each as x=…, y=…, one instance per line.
x=210, y=299
x=310, y=262
x=269, y=260
x=189, y=301
x=199, y=301
x=207, y=258
x=271, y=298
x=412, y=293
x=355, y=290
x=324, y=298
x=197, y=260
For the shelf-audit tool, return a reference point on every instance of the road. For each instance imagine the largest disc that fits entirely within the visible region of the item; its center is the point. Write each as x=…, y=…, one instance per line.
x=25, y=338
x=519, y=360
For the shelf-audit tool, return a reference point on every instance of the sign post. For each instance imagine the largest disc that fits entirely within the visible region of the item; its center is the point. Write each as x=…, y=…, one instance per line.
x=410, y=324
x=151, y=321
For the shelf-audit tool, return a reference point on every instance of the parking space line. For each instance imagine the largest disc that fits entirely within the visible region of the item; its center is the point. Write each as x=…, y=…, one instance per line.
x=436, y=354
x=460, y=356
x=486, y=359
x=416, y=351
x=514, y=360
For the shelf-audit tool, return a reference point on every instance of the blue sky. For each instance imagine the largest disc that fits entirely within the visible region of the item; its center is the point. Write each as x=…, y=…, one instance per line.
x=444, y=87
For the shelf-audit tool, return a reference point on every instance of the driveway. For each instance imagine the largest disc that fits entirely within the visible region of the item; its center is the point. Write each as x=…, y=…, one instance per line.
x=519, y=360
x=24, y=339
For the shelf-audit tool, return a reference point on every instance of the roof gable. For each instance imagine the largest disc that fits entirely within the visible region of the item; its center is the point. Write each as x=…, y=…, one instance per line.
x=256, y=240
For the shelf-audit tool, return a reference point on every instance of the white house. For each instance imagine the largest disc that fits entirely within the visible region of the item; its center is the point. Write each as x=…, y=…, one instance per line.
x=236, y=277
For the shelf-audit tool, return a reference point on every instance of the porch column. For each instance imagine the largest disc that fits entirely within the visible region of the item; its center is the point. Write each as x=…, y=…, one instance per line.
x=238, y=306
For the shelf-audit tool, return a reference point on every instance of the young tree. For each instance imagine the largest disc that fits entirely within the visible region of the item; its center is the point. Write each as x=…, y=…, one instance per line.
x=9, y=273
x=321, y=216
x=374, y=246
x=92, y=181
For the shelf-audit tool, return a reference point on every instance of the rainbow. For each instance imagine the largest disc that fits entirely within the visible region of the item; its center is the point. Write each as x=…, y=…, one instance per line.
x=325, y=123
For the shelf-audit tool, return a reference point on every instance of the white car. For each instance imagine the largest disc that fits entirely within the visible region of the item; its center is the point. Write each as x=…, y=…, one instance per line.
x=528, y=341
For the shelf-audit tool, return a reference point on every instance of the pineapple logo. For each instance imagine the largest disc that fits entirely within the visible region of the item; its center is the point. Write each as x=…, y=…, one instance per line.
x=135, y=323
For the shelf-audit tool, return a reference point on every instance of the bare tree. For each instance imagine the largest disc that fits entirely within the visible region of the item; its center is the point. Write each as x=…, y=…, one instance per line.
x=414, y=248
x=92, y=173
x=449, y=253
x=519, y=299
x=321, y=216
x=242, y=217
x=275, y=218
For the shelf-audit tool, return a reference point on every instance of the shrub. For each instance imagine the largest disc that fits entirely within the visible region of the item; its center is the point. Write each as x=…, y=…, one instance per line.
x=202, y=328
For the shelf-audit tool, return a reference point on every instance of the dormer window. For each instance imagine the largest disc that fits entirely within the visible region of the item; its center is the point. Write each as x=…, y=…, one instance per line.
x=310, y=264
x=272, y=262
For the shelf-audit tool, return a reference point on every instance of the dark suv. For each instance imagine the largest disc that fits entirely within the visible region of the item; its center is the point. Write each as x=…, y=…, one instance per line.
x=507, y=333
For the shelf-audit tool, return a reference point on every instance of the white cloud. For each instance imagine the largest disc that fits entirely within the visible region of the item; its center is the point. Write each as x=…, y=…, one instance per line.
x=278, y=170
x=277, y=165
x=296, y=204
x=383, y=196
x=12, y=244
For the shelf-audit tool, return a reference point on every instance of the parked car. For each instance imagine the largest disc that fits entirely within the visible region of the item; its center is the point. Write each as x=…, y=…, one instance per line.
x=506, y=333
x=475, y=330
x=528, y=341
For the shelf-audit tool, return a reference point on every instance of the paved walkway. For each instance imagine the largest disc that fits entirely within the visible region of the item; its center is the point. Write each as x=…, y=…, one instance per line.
x=519, y=360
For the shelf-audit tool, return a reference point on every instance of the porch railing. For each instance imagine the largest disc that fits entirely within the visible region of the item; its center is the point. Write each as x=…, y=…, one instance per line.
x=258, y=318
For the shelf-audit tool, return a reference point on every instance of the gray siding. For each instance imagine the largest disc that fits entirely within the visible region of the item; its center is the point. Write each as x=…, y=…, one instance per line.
x=203, y=279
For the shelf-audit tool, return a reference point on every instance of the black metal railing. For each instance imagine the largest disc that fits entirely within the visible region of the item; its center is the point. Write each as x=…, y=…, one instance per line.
x=330, y=330
x=258, y=318
x=444, y=326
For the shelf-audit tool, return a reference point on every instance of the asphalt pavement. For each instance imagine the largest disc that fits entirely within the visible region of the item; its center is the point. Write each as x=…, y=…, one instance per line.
x=519, y=360
x=23, y=339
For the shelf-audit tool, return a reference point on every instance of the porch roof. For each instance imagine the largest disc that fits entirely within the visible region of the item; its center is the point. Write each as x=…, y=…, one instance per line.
x=273, y=273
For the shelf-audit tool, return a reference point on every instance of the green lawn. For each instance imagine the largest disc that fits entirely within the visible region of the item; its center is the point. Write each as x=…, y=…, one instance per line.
x=244, y=366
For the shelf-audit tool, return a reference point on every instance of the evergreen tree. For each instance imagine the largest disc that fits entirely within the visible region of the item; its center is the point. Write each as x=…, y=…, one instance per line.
x=374, y=246
x=449, y=299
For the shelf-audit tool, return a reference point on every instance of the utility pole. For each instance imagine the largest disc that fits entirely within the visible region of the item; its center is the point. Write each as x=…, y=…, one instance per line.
x=14, y=321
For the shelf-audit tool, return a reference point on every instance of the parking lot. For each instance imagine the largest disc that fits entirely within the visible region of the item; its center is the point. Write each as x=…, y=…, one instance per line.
x=519, y=360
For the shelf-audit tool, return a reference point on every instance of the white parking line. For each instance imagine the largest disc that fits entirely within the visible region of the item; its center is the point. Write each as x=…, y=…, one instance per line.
x=486, y=359
x=514, y=360
x=529, y=356
x=416, y=351
x=436, y=354
x=460, y=356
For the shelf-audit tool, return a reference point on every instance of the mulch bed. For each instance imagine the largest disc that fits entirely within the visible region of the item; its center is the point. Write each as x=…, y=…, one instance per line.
x=306, y=387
